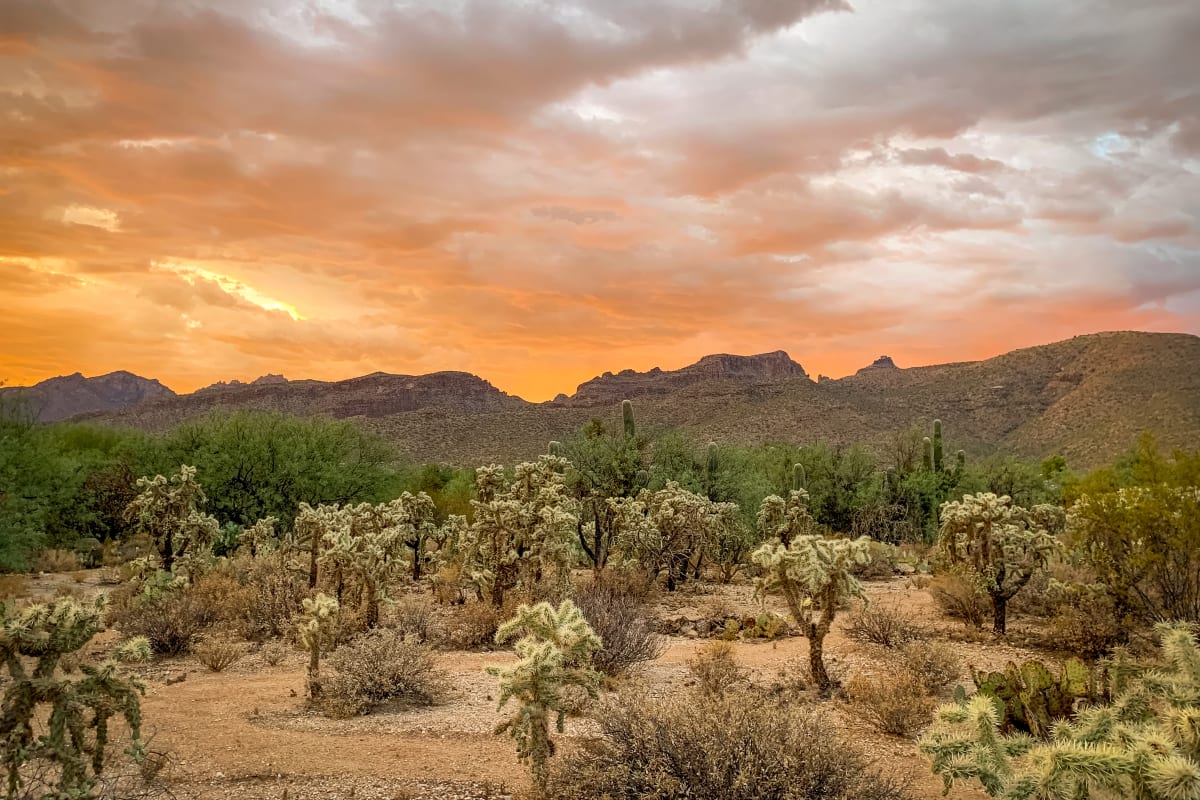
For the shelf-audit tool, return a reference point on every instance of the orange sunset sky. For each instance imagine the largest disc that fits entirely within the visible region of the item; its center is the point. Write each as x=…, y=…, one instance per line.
x=539, y=191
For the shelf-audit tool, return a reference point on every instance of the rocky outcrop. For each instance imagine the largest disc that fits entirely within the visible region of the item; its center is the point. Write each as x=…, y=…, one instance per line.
x=883, y=362
x=66, y=396
x=609, y=388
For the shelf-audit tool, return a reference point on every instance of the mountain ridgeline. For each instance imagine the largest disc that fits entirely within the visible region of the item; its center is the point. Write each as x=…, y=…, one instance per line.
x=1086, y=398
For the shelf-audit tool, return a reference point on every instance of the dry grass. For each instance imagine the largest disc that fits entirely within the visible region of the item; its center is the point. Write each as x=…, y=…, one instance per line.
x=13, y=586
x=472, y=626
x=884, y=625
x=894, y=703
x=381, y=667
x=56, y=560
x=218, y=652
x=716, y=670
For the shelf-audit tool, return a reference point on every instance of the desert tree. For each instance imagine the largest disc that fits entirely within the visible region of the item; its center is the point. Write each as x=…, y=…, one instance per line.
x=555, y=652
x=999, y=543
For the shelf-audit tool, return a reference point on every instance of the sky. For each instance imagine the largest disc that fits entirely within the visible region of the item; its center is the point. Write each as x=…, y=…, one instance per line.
x=538, y=192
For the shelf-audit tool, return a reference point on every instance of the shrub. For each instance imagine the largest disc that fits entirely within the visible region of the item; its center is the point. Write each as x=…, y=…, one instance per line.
x=614, y=616
x=56, y=560
x=715, y=668
x=894, y=703
x=1087, y=621
x=13, y=586
x=171, y=619
x=276, y=595
x=883, y=625
x=413, y=619
x=960, y=598
x=218, y=652
x=377, y=668
x=273, y=653
x=885, y=559
x=735, y=747
x=473, y=625
x=935, y=665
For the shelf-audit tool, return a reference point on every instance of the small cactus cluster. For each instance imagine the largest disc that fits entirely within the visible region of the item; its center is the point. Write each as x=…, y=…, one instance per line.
x=316, y=629
x=933, y=458
x=1145, y=744
x=1032, y=700
x=75, y=712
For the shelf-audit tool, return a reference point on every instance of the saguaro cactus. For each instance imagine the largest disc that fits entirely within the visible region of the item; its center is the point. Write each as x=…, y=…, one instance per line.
x=927, y=454
x=627, y=419
x=556, y=649
x=799, y=478
x=73, y=713
x=938, y=464
x=711, y=466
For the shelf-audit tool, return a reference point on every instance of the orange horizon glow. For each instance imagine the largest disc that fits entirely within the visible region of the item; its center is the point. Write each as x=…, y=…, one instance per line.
x=537, y=194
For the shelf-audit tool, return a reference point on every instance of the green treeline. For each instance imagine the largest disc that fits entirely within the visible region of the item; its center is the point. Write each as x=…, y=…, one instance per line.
x=67, y=485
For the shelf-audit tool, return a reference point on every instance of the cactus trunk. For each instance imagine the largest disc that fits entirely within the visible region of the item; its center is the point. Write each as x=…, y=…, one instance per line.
x=938, y=463
x=627, y=418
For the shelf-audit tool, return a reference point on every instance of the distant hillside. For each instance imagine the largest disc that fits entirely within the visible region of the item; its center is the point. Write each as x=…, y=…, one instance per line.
x=375, y=395
x=1086, y=398
x=67, y=396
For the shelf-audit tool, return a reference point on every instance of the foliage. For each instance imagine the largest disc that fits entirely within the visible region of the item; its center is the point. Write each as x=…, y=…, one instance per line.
x=715, y=669
x=381, y=667
x=1145, y=744
x=168, y=511
x=813, y=574
x=1001, y=544
x=883, y=625
x=167, y=613
x=895, y=702
x=615, y=616
x=733, y=747
x=472, y=625
x=74, y=712
x=521, y=527
x=555, y=650
x=1143, y=543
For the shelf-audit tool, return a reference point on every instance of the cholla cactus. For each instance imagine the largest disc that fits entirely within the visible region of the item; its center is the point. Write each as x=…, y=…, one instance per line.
x=73, y=712
x=1145, y=745
x=310, y=528
x=782, y=519
x=669, y=529
x=260, y=537
x=1003, y=544
x=316, y=629
x=167, y=510
x=812, y=573
x=556, y=649
x=521, y=528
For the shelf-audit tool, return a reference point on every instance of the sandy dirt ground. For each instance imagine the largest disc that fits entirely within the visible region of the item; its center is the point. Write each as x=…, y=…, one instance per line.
x=247, y=733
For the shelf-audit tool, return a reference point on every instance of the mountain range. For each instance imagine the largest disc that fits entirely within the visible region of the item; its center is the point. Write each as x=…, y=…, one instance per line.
x=1086, y=398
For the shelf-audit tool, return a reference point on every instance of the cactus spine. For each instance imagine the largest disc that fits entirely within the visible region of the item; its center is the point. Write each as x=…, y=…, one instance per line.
x=938, y=463
x=627, y=418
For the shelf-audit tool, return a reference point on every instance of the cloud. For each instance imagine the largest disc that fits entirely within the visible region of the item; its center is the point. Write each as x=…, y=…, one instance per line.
x=539, y=192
